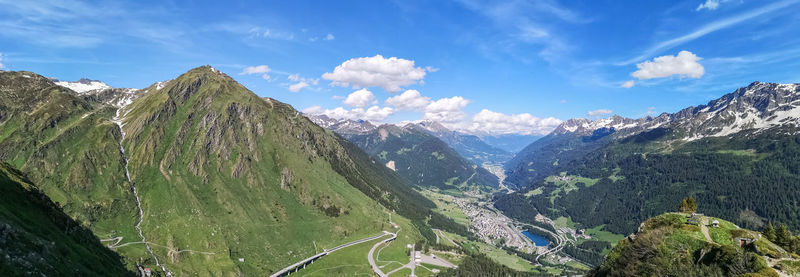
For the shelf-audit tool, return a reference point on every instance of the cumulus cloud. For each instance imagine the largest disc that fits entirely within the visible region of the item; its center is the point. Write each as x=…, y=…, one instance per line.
x=710, y=5
x=628, y=84
x=316, y=109
x=446, y=110
x=374, y=113
x=300, y=82
x=496, y=123
x=1, y=60
x=599, y=112
x=684, y=65
x=391, y=74
x=329, y=37
x=255, y=70
x=298, y=86
x=409, y=100
x=258, y=69
x=360, y=98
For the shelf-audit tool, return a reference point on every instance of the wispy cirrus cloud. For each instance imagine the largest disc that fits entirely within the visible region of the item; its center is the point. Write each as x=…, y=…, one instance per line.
x=709, y=28
x=599, y=112
x=78, y=24
x=527, y=23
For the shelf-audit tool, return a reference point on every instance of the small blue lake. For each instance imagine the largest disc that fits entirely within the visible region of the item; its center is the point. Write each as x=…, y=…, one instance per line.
x=537, y=239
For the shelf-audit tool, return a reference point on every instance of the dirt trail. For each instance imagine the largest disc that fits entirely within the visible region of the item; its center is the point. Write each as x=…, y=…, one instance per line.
x=704, y=229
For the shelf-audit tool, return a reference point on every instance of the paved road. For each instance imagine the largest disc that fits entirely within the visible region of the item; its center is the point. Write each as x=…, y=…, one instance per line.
x=326, y=252
x=371, y=259
x=439, y=233
x=410, y=265
x=560, y=242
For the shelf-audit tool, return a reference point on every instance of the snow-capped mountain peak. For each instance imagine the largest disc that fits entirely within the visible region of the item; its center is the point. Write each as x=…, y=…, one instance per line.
x=433, y=126
x=757, y=107
x=83, y=85
x=343, y=126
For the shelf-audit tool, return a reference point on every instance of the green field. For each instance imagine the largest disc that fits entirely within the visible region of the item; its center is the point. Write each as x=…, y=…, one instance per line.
x=566, y=186
x=446, y=206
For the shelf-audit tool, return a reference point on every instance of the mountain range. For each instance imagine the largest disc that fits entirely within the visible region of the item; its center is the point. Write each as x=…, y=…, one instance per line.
x=738, y=154
x=421, y=158
x=200, y=175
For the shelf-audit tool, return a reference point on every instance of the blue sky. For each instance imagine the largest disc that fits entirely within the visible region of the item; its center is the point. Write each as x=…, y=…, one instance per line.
x=481, y=66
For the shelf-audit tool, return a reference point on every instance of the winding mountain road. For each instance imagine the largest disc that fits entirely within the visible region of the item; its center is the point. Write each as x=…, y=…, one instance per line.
x=371, y=259
x=325, y=252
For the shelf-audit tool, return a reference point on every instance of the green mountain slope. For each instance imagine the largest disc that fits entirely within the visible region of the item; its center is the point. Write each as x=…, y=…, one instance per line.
x=228, y=183
x=38, y=239
x=220, y=170
x=630, y=174
x=667, y=245
x=69, y=148
x=422, y=158
x=470, y=147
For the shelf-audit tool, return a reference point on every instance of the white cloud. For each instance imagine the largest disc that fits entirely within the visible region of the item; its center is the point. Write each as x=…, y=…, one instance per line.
x=298, y=86
x=258, y=69
x=599, y=112
x=329, y=37
x=409, y=100
x=446, y=110
x=300, y=82
x=391, y=74
x=496, y=123
x=1, y=61
x=711, y=27
x=255, y=70
x=684, y=65
x=628, y=84
x=360, y=98
x=563, y=101
x=710, y=5
x=316, y=109
x=271, y=34
x=651, y=111
x=374, y=113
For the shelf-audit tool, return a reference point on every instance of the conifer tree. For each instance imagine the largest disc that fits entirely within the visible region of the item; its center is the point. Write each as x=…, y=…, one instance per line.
x=769, y=232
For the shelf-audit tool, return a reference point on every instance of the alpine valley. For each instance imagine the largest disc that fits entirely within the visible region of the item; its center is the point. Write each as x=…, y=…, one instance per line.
x=197, y=175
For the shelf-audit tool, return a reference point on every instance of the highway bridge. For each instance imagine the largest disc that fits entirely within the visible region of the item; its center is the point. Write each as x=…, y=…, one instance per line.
x=310, y=260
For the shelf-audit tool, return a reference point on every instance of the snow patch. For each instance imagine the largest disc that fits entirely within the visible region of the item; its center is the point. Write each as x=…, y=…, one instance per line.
x=161, y=85
x=83, y=86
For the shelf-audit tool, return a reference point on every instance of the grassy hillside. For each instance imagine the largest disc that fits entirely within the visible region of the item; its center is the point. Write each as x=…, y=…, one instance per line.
x=69, y=148
x=221, y=170
x=667, y=245
x=37, y=238
x=229, y=183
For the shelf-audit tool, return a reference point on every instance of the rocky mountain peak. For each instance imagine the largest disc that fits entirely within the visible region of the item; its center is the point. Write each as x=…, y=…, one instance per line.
x=755, y=107
x=83, y=85
x=433, y=127
x=585, y=126
x=342, y=126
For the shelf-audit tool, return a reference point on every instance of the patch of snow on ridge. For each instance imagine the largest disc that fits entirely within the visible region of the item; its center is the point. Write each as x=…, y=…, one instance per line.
x=161, y=85
x=83, y=85
x=126, y=98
